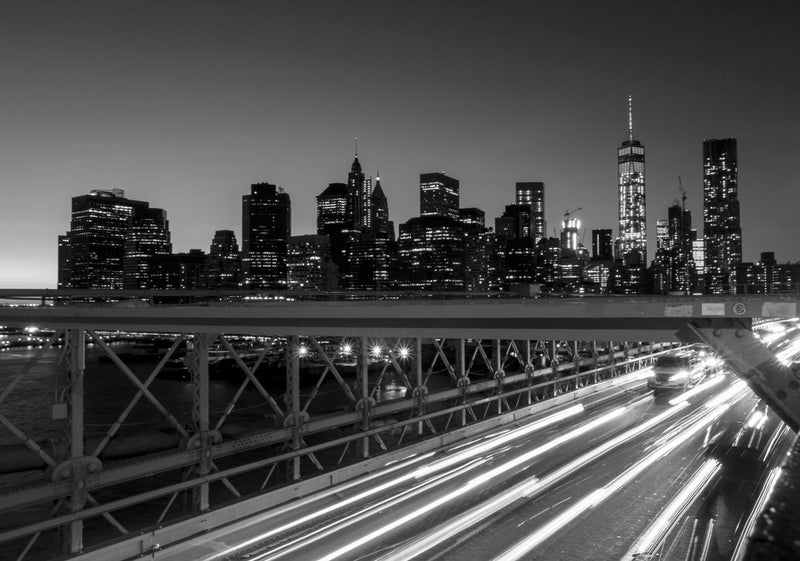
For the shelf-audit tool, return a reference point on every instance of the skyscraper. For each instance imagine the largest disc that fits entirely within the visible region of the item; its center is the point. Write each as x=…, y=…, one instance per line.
x=532, y=193
x=438, y=195
x=98, y=229
x=333, y=209
x=602, y=247
x=632, y=241
x=266, y=227
x=722, y=230
x=360, y=191
x=335, y=220
x=381, y=226
x=148, y=235
x=223, y=263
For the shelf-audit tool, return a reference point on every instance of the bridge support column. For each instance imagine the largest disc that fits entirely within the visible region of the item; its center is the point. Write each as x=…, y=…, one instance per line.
x=293, y=401
x=418, y=390
x=363, y=375
x=76, y=365
x=733, y=340
x=201, y=437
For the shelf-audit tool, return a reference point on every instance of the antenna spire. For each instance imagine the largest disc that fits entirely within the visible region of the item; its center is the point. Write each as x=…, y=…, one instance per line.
x=630, y=117
x=356, y=147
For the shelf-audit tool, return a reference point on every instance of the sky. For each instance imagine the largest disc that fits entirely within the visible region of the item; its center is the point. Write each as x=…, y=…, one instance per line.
x=185, y=104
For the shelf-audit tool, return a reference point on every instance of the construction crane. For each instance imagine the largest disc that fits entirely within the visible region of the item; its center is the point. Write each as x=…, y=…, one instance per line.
x=568, y=212
x=683, y=194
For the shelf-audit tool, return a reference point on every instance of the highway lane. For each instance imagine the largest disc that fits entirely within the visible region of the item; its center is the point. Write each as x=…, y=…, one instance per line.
x=376, y=529
x=588, y=485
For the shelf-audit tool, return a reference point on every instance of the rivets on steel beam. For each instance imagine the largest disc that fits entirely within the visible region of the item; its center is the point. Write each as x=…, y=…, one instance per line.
x=739, y=333
x=717, y=333
x=794, y=384
x=781, y=394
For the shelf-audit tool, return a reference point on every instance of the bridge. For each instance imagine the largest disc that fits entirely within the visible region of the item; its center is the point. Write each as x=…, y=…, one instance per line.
x=339, y=390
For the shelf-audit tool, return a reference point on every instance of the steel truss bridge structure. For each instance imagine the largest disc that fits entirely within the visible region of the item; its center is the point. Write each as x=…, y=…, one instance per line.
x=448, y=364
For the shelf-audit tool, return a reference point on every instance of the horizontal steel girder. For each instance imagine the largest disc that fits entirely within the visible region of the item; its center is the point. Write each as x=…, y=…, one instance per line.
x=752, y=361
x=635, y=319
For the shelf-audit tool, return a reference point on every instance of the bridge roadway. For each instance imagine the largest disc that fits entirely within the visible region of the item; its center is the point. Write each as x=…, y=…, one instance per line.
x=587, y=481
x=723, y=322
x=590, y=318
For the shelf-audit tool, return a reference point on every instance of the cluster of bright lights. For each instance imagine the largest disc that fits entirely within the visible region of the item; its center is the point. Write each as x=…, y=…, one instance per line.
x=302, y=351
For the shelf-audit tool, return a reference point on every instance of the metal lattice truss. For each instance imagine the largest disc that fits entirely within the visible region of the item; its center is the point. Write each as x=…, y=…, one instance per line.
x=389, y=392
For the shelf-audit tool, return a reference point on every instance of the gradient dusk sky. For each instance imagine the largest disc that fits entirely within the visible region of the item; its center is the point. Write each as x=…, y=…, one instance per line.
x=186, y=103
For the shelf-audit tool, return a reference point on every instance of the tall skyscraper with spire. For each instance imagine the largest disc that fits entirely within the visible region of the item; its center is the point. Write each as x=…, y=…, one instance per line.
x=632, y=241
x=360, y=190
x=722, y=229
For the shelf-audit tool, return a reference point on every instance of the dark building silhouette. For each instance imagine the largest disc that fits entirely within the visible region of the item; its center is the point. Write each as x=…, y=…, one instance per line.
x=99, y=225
x=438, y=195
x=602, y=244
x=632, y=241
x=472, y=217
x=380, y=225
x=179, y=271
x=223, y=262
x=722, y=232
x=516, y=222
x=63, y=261
x=148, y=235
x=531, y=193
x=266, y=227
x=335, y=220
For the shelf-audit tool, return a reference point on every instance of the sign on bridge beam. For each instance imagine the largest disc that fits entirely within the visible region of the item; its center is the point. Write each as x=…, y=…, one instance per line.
x=590, y=318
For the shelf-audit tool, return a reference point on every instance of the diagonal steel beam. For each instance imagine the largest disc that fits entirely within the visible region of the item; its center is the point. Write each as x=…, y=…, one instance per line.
x=124, y=415
x=138, y=383
x=733, y=340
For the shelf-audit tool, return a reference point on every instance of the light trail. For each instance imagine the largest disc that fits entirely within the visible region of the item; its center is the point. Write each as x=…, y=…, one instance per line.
x=469, y=487
x=530, y=486
x=459, y=457
x=708, y=384
x=593, y=499
x=652, y=538
x=755, y=512
x=338, y=525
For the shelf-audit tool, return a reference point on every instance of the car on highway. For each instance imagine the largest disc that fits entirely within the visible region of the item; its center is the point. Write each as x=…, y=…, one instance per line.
x=683, y=368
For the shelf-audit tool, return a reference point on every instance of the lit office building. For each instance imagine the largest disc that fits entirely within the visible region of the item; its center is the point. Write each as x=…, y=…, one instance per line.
x=266, y=227
x=371, y=263
x=309, y=265
x=632, y=241
x=531, y=193
x=431, y=253
x=360, y=201
x=99, y=226
x=148, y=235
x=698, y=256
x=721, y=225
x=570, y=232
x=484, y=259
x=438, y=195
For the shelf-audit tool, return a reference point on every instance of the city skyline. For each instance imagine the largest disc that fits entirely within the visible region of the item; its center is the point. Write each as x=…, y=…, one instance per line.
x=163, y=113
